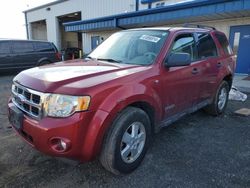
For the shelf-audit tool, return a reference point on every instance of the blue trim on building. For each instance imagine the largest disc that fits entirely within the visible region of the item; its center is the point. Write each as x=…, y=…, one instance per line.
x=161, y=15
x=149, y=1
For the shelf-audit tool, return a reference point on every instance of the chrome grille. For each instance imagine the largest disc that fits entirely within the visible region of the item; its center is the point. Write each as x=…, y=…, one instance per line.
x=27, y=100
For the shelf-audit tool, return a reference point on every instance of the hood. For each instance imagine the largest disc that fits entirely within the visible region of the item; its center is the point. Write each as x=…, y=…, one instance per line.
x=77, y=73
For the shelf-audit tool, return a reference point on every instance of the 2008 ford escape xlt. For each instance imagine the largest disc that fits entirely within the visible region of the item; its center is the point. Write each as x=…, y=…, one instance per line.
x=110, y=104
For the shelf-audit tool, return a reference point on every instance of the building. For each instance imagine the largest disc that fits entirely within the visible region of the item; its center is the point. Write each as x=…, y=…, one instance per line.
x=85, y=23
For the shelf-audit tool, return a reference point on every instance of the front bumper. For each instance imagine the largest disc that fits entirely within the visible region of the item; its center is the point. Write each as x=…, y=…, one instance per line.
x=38, y=133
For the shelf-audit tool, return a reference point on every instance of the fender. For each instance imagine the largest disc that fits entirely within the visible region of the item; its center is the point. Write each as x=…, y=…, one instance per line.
x=225, y=71
x=110, y=107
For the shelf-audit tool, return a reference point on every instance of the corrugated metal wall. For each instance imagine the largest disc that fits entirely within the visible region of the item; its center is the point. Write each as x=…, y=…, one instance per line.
x=100, y=8
x=89, y=9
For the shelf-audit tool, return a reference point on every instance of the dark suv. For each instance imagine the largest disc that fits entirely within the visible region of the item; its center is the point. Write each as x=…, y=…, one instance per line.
x=24, y=54
x=132, y=85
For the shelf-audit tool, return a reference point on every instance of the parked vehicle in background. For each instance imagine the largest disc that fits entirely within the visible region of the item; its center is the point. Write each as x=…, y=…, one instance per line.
x=72, y=53
x=133, y=84
x=24, y=54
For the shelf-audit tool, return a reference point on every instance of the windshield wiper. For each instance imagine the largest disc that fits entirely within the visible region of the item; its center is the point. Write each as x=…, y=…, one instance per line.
x=89, y=57
x=109, y=60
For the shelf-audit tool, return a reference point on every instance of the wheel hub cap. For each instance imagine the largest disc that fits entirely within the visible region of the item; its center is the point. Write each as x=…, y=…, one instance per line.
x=222, y=98
x=133, y=141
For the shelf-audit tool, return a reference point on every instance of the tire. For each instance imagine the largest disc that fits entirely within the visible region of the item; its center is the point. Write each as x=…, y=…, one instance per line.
x=44, y=63
x=115, y=156
x=216, y=108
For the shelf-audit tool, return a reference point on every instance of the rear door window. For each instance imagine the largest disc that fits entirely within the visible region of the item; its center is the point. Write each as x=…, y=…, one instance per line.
x=224, y=43
x=206, y=46
x=44, y=47
x=22, y=47
x=5, y=47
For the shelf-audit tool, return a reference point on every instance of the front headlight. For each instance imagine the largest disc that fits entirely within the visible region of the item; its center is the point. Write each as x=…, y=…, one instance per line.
x=64, y=105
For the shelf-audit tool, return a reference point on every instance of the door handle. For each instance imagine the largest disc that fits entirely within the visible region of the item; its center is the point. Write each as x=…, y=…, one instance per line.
x=219, y=64
x=195, y=71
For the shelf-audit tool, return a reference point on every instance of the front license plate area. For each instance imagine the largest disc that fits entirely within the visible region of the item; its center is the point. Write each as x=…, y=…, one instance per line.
x=16, y=117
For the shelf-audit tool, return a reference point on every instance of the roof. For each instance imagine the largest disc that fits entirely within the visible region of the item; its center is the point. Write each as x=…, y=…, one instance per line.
x=188, y=11
x=197, y=29
x=45, y=5
x=152, y=28
x=23, y=40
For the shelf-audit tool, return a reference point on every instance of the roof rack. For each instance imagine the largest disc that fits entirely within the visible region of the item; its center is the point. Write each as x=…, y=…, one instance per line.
x=198, y=26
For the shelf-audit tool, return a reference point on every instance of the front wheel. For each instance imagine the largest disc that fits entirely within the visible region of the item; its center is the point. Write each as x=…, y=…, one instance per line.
x=220, y=100
x=126, y=142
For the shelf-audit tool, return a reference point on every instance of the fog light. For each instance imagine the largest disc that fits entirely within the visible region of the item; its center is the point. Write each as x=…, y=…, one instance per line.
x=63, y=144
x=60, y=144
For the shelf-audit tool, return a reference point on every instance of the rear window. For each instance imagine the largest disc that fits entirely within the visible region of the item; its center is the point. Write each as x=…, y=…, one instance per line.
x=4, y=47
x=224, y=43
x=22, y=47
x=44, y=47
x=206, y=46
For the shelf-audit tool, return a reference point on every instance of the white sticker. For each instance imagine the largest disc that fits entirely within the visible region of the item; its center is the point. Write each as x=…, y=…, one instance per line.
x=150, y=38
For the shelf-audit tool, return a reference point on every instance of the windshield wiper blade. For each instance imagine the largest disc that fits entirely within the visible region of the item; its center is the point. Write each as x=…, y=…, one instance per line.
x=89, y=57
x=109, y=60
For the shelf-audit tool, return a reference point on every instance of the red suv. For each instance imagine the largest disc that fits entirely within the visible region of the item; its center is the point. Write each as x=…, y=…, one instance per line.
x=110, y=104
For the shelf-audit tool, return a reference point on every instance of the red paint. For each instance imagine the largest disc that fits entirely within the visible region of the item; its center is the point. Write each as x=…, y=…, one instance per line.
x=113, y=87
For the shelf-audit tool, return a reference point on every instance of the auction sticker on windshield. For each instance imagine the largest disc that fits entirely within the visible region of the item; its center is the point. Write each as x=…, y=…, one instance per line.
x=150, y=38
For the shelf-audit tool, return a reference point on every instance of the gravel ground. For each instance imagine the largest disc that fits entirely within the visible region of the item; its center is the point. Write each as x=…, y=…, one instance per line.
x=197, y=151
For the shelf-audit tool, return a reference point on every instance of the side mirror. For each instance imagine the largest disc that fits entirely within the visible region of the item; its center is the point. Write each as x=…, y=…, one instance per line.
x=178, y=59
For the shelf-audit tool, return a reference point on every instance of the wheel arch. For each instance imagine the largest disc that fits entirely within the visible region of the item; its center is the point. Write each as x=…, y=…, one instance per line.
x=149, y=109
x=229, y=79
x=110, y=108
x=42, y=60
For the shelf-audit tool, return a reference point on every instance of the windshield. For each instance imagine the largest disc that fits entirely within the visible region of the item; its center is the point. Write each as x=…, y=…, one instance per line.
x=131, y=47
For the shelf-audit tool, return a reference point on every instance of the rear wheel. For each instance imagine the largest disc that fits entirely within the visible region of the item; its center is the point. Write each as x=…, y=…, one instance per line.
x=126, y=143
x=220, y=100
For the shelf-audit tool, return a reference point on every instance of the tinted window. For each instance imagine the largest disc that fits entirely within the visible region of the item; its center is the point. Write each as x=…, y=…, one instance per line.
x=224, y=43
x=4, y=47
x=184, y=44
x=44, y=47
x=206, y=46
x=22, y=47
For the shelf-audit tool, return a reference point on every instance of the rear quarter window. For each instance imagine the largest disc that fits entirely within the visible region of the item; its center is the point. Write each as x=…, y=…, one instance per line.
x=224, y=43
x=206, y=46
x=22, y=47
x=5, y=47
x=44, y=47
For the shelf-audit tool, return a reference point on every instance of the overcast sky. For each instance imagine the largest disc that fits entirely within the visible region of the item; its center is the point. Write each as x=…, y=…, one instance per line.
x=12, y=22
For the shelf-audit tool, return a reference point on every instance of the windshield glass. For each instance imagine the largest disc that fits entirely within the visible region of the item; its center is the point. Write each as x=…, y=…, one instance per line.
x=131, y=47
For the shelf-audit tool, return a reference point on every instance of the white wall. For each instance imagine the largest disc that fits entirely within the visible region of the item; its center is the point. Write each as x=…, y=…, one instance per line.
x=221, y=25
x=87, y=8
x=86, y=37
x=101, y=8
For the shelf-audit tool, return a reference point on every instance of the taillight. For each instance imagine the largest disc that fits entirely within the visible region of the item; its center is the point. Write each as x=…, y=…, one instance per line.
x=59, y=56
